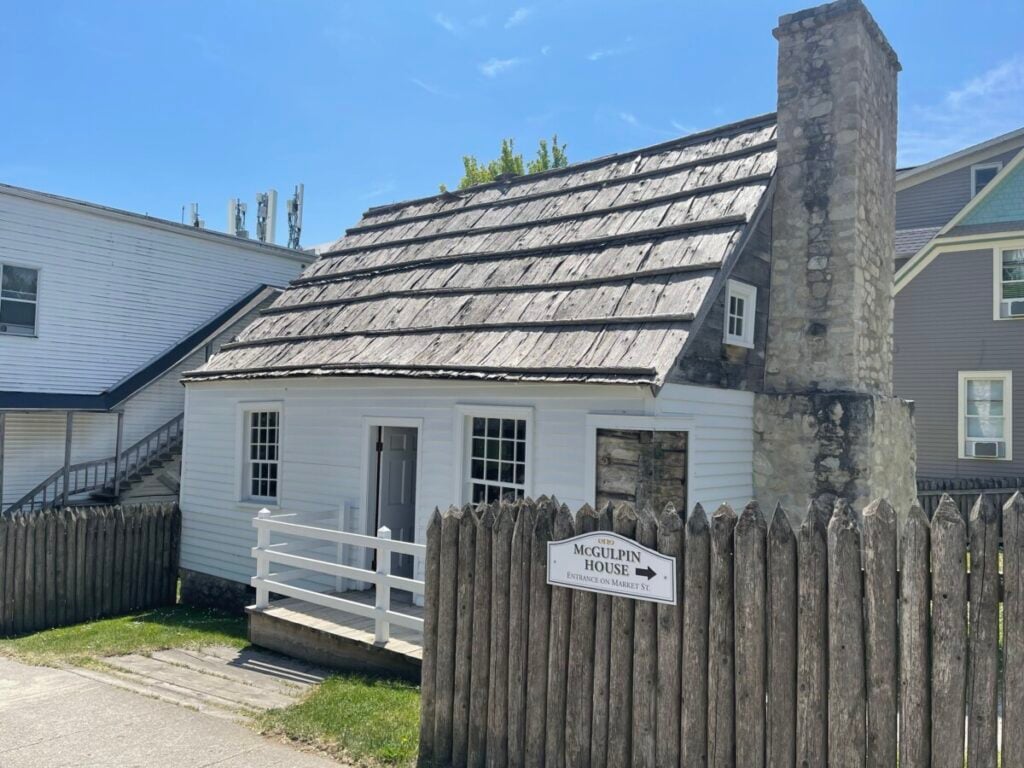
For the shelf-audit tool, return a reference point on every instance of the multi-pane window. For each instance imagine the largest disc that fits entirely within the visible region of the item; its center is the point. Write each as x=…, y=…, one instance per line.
x=982, y=174
x=1011, y=283
x=497, y=458
x=740, y=303
x=985, y=412
x=19, y=288
x=262, y=454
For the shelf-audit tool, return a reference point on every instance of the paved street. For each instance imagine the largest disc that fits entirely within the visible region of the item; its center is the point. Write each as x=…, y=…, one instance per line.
x=51, y=718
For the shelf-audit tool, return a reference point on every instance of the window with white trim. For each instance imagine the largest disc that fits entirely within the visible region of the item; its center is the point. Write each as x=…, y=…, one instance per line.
x=19, y=294
x=982, y=174
x=740, y=305
x=985, y=414
x=496, y=457
x=262, y=458
x=1011, y=282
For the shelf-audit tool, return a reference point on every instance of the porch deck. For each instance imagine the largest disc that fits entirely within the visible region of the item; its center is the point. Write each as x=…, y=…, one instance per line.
x=376, y=629
x=339, y=639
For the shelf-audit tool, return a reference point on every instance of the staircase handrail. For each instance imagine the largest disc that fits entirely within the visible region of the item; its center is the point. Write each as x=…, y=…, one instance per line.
x=99, y=474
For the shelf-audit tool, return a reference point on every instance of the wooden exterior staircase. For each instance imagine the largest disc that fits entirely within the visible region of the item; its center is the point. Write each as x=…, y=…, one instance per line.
x=106, y=479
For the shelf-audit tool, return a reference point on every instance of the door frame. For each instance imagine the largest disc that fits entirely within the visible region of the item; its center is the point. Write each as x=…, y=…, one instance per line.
x=596, y=421
x=368, y=467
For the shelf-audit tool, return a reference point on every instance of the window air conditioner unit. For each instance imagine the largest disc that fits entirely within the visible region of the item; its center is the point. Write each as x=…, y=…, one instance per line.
x=985, y=449
x=1013, y=307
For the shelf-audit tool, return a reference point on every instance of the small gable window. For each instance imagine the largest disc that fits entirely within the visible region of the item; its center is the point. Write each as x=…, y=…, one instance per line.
x=982, y=174
x=740, y=304
x=19, y=288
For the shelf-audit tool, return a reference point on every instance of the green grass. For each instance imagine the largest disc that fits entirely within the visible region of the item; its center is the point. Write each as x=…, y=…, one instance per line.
x=368, y=720
x=173, y=627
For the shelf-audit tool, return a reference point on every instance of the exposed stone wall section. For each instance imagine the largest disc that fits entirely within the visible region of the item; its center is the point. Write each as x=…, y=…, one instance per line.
x=834, y=215
x=830, y=445
x=205, y=591
x=827, y=426
x=705, y=359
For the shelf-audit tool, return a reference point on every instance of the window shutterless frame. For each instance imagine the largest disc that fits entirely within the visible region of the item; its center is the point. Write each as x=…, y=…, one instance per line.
x=260, y=454
x=983, y=173
x=1008, y=282
x=740, y=310
x=977, y=416
x=498, y=458
x=19, y=299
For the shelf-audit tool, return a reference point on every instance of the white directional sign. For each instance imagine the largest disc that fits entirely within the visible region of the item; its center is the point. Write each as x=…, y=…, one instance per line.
x=611, y=564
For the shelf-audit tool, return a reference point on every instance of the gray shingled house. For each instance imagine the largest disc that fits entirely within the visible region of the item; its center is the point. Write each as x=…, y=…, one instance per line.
x=960, y=306
x=599, y=332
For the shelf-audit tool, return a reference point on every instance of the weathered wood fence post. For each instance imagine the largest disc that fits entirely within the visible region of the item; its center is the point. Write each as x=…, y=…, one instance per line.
x=786, y=648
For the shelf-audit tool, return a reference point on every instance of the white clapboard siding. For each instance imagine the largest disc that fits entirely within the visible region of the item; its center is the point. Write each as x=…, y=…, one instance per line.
x=115, y=291
x=324, y=450
x=34, y=444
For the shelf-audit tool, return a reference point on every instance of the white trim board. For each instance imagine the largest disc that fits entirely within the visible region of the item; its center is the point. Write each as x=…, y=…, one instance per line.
x=965, y=157
x=995, y=241
x=961, y=412
x=916, y=263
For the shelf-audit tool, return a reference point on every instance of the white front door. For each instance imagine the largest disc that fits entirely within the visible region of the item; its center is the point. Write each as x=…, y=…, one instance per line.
x=396, y=489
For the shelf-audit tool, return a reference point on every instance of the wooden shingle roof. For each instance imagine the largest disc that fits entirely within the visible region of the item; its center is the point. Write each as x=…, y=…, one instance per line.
x=594, y=272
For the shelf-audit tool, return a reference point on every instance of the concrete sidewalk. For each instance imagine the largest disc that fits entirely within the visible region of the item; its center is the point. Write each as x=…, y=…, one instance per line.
x=51, y=718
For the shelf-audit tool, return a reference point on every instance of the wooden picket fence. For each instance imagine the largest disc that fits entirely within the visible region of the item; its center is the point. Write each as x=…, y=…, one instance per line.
x=964, y=491
x=63, y=566
x=789, y=647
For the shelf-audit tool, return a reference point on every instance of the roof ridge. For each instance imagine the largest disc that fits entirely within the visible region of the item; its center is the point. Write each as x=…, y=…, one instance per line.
x=696, y=137
x=753, y=149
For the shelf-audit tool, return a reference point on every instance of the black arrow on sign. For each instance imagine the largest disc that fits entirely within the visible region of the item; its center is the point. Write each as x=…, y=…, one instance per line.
x=648, y=572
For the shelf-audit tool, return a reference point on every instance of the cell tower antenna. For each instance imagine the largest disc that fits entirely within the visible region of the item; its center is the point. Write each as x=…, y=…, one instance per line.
x=236, y=218
x=294, y=209
x=194, y=219
x=266, y=215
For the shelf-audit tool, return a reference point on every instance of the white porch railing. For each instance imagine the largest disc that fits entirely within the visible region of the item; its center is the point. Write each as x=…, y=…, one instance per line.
x=304, y=557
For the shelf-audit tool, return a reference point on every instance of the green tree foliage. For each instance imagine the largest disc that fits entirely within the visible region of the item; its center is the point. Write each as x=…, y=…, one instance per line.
x=508, y=163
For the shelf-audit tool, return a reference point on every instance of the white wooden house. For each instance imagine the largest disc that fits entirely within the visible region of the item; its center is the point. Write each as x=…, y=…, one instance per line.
x=595, y=332
x=101, y=311
x=599, y=332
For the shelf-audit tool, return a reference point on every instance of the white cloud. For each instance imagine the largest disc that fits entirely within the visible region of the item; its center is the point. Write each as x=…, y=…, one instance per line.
x=432, y=89
x=379, y=190
x=445, y=23
x=518, y=17
x=639, y=125
x=604, y=53
x=983, y=107
x=495, y=67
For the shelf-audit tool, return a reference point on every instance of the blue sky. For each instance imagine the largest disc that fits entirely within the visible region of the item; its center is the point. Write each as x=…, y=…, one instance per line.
x=152, y=105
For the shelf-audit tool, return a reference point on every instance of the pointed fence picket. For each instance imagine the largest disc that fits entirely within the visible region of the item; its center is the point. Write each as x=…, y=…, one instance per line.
x=62, y=566
x=860, y=638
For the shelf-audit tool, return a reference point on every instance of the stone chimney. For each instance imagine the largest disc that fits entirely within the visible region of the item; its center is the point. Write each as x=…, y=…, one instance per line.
x=827, y=426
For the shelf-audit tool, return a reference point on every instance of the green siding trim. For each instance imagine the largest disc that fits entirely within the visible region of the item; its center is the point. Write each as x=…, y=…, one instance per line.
x=1003, y=203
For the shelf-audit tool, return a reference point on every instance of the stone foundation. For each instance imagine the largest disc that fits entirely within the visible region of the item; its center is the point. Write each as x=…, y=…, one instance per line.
x=827, y=446
x=205, y=591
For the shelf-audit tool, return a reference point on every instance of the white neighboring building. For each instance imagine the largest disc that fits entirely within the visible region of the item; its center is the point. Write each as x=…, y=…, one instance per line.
x=595, y=332
x=101, y=311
